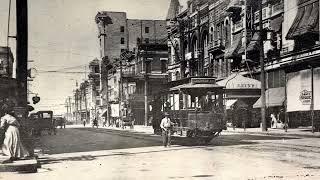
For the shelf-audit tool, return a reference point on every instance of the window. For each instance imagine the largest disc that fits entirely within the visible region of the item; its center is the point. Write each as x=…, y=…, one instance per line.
x=163, y=66
x=146, y=40
x=121, y=28
x=146, y=29
x=122, y=40
x=96, y=69
x=148, y=66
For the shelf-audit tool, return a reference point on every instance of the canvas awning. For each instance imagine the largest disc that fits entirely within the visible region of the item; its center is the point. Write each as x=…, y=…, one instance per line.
x=230, y=102
x=237, y=81
x=234, y=5
x=254, y=43
x=103, y=112
x=274, y=97
x=276, y=23
x=306, y=21
x=232, y=51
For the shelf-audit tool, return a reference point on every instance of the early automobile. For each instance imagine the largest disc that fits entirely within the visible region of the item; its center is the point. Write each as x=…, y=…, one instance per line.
x=42, y=121
x=60, y=121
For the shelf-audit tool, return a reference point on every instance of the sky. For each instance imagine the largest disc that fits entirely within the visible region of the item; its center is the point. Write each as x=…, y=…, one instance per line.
x=63, y=34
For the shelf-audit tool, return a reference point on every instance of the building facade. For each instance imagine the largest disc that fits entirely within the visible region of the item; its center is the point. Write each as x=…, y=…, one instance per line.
x=220, y=39
x=119, y=39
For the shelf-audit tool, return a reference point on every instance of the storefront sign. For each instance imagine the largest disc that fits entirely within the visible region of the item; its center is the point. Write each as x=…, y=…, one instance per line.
x=305, y=97
x=246, y=86
x=203, y=81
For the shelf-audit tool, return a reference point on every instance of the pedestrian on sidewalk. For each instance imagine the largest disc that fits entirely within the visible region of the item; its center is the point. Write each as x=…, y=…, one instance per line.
x=166, y=125
x=12, y=145
x=104, y=123
x=84, y=122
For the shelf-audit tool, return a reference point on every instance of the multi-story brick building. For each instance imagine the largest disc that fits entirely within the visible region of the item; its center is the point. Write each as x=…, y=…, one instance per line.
x=220, y=39
x=118, y=36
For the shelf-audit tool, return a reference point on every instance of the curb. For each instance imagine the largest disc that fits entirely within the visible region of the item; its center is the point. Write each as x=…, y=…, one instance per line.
x=274, y=134
x=23, y=166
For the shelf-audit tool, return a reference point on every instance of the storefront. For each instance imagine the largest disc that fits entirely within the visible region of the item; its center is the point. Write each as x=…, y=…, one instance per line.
x=303, y=96
x=240, y=95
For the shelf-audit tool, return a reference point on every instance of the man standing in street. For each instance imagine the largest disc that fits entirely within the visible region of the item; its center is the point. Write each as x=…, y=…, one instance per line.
x=166, y=129
x=84, y=122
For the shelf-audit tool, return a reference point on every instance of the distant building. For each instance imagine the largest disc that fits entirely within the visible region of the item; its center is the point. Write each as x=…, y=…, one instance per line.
x=120, y=36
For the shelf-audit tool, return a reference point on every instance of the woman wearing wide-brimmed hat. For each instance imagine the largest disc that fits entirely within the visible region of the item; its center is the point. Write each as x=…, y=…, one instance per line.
x=12, y=145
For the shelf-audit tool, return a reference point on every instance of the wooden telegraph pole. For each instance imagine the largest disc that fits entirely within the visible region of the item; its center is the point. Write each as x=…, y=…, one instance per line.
x=263, y=82
x=22, y=51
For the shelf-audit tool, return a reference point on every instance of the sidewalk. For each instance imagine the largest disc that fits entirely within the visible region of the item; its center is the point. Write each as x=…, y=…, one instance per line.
x=298, y=132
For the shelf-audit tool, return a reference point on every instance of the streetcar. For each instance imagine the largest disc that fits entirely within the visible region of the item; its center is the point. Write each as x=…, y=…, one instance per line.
x=204, y=117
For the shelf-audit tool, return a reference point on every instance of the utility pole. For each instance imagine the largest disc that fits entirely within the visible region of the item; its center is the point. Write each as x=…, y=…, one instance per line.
x=76, y=105
x=69, y=98
x=120, y=93
x=263, y=80
x=85, y=100
x=67, y=106
x=146, y=89
x=22, y=51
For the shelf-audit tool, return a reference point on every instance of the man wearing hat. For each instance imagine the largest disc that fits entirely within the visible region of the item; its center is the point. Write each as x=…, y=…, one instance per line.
x=166, y=129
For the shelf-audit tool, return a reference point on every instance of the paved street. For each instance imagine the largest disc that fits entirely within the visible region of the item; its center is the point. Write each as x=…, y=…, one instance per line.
x=87, y=153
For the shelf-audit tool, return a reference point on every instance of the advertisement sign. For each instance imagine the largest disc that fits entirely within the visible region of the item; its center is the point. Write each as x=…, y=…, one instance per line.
x=203, y=80
x=305, y=97
x=299, y=91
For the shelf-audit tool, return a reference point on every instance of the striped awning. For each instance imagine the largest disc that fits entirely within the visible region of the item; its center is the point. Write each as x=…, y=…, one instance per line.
x=232, y=51
x=274, y=97
x=306, y=21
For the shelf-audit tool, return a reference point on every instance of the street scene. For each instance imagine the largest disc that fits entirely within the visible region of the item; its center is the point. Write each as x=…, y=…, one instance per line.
x=170, y=89
x=117, y=154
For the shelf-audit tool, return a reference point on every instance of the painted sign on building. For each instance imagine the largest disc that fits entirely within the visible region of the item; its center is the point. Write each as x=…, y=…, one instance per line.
x=305, y=97
x=299, y=91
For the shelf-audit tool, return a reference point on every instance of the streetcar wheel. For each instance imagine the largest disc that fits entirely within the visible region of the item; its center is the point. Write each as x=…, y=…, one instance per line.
x=189, y=133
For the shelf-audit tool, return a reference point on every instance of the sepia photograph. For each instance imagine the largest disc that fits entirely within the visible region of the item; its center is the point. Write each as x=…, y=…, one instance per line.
x=159, y=89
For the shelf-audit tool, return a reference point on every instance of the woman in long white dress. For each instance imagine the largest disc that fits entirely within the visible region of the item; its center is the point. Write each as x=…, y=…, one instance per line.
x=12, y=145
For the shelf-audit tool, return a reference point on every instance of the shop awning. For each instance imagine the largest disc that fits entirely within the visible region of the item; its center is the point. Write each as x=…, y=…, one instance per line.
x=237, y=81
x=232, y=51
x=254, y=43
x=234, y=5
x=306, y=21
x=230, y=102
x=274, y=97
x=103, y=113
x=276, y=23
